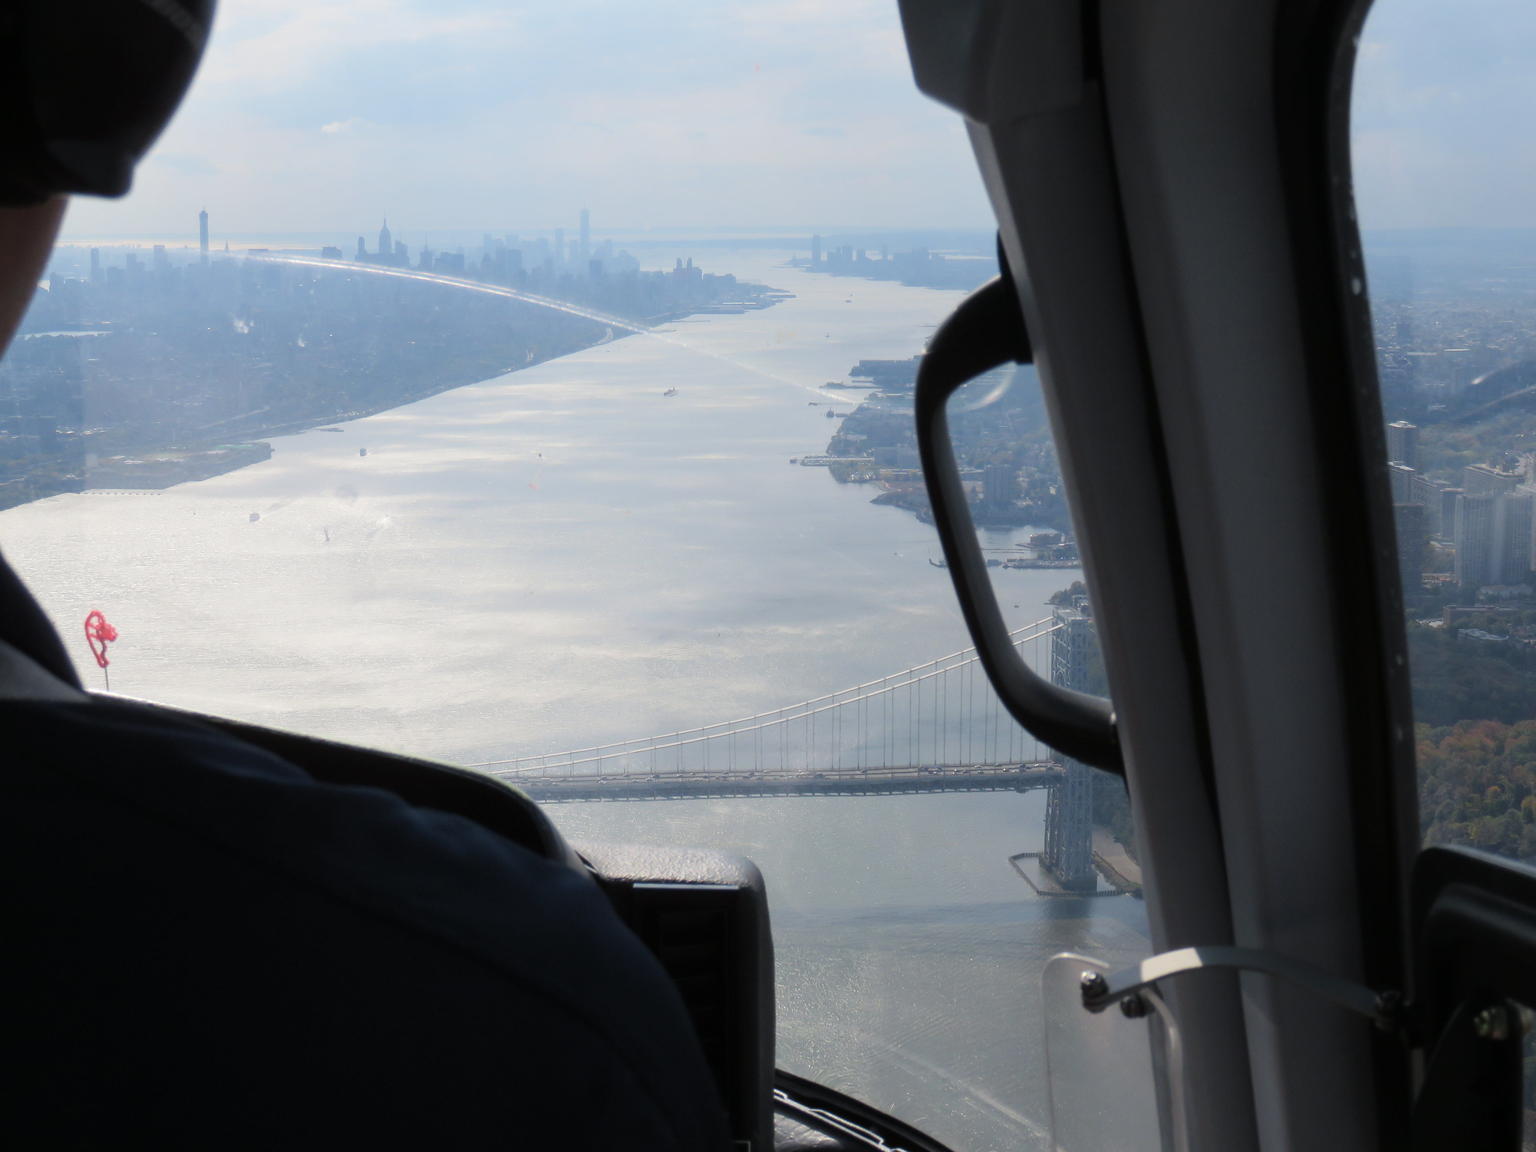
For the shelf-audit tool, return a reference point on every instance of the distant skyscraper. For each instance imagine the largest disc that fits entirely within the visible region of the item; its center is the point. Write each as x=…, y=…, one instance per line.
x=559, y=247
x=362, y=249
x=815, y=249
x=160, y=259
x=585, y=249
x=386, y=245
x=202, y=234
x=1403, y=443
x=95, y=265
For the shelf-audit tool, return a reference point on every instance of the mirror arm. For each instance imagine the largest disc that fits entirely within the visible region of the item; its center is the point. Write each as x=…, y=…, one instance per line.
x=986, y=332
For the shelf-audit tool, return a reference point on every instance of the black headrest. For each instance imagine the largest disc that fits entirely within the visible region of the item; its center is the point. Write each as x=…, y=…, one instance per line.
x=86, y=88
x=24, y=627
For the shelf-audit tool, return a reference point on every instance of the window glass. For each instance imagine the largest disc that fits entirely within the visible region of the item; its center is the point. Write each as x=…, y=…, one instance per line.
x=530, y=388
x=1444, y=171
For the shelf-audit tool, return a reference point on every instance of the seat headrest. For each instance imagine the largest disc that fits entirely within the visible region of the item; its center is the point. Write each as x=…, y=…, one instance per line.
x=24, y=627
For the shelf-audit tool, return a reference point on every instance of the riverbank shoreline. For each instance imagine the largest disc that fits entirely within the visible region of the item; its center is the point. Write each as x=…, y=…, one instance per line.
x=155, y=471
x=152, y=466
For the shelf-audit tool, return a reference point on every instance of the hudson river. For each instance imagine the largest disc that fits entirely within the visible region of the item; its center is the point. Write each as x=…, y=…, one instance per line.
x=564, y=556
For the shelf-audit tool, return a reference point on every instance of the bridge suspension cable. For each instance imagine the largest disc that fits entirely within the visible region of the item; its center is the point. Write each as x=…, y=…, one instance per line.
x=928, y=717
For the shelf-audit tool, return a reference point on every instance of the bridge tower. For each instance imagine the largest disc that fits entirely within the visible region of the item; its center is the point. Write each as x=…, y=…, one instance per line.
x=1068, y=854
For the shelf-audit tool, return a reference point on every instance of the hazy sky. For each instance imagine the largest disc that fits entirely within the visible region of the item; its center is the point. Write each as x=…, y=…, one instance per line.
x=316, y=116
x=313, y=115
x=1445, y=114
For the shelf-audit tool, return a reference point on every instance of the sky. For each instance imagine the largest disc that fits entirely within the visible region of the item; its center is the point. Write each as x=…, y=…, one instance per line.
x=1444, y=116
x=317, y=116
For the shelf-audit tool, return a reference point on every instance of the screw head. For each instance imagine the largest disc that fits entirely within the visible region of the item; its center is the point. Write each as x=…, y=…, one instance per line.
x=1390, y=1011
x=1491, y=1023
x=1135, y=1007
x=1094, y=988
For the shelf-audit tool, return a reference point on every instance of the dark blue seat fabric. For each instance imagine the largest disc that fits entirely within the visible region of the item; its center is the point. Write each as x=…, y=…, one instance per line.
x=216, y=950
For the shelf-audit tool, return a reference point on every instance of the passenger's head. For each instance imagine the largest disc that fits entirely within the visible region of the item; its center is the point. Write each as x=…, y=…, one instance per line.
x=26, y=238
x=88, y=86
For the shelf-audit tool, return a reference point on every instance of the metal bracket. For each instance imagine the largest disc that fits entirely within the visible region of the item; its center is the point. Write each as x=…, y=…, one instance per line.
x=1384, y=1009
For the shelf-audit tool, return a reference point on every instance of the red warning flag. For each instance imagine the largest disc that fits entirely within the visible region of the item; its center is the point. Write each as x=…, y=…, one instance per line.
x=98, y=634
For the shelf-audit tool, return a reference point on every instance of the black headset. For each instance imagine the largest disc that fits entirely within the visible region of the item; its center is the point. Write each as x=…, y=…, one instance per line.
x=88, y=86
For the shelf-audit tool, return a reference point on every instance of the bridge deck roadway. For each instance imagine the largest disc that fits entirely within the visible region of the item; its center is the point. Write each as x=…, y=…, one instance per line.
x=833, y=782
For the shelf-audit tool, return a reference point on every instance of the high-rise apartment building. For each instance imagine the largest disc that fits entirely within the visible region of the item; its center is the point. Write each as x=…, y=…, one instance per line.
x=1494, y=538
x=1403, y=443
x=202, y=234
x=1475, y=515
x=1408, y=519
x=1515, y=538
x=1448, y=499
x=1528, y=491
x=1480, y=478
x=1000, y=484
x=1423, y=490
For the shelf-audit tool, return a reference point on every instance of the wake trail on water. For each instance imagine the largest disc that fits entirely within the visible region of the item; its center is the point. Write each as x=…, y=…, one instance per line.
x=537, y=300
x=965, y=1089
